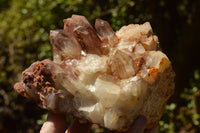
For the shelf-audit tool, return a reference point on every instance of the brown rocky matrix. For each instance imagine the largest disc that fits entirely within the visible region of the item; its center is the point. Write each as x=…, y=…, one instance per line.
x=107, y=78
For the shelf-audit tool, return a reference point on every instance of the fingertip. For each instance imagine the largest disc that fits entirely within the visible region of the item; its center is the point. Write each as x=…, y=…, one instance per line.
x=142, y=119
x=55, y=123
x=138, y=125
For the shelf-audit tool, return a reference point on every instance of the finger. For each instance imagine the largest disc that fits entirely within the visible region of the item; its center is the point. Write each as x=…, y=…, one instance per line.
x=55, y=123
x=138, y=125
x=78, y=127
x=154, y=130
x=112, y=131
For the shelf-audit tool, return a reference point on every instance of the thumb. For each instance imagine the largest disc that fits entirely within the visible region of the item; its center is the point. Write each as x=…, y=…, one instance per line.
x=138, y=125
x=55, y=123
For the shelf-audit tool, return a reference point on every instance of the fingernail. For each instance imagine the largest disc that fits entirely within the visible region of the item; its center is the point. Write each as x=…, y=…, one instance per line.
x=142, y=119
x=138, y=125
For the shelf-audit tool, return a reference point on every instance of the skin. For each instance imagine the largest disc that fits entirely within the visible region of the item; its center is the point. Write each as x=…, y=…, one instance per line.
x=56, y=123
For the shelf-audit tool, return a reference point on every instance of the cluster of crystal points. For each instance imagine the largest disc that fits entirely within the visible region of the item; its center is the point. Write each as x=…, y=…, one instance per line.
x=106, y=78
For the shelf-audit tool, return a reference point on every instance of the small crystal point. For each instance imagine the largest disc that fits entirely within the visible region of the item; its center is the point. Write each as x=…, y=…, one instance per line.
x=53, y=34
x=88, y=40
x=84, y=33
x=106, y=31
x=122, y=64
x=64, y=45
x=76, y=20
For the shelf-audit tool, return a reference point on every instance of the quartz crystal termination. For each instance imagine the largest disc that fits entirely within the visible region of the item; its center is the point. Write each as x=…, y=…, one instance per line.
x=108, y=78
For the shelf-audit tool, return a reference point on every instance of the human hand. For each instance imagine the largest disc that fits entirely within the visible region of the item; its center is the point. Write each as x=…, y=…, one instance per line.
x=139, y=126
x=57, y=124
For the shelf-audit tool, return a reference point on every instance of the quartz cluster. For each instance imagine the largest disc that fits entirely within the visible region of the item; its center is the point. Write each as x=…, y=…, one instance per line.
x=105, y=77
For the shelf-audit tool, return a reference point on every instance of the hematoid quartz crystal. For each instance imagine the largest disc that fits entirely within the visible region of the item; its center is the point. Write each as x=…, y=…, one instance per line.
x=105, y=77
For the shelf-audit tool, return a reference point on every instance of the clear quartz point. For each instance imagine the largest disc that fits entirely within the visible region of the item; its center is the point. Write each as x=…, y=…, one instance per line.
x=65, y=46
x=84, y=33
x=106, y=32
